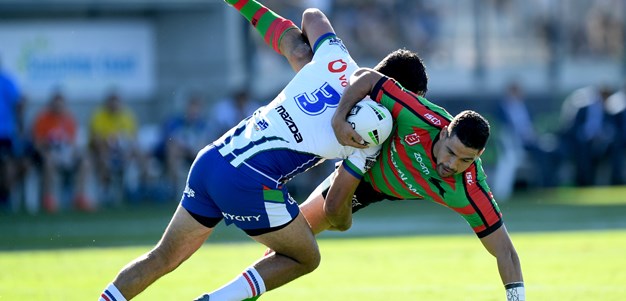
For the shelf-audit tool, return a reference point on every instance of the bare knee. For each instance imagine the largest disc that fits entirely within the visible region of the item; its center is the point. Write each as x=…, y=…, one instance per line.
x=295, y=49
x=312, y=15
x=301, y=52
x=313, y=262
x=310, y=261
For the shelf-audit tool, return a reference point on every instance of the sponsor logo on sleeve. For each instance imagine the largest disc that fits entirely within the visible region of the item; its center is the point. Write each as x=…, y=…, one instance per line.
x=469, y=179
x=433, y=119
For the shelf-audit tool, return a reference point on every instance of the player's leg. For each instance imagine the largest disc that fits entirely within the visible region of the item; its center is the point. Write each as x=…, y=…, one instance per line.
x=183, y=236
x=296, y=254
x=279, y=33
x=191, y=225
x=313, y=209
x=294, y=47
x=269, y=24
x=265, y=211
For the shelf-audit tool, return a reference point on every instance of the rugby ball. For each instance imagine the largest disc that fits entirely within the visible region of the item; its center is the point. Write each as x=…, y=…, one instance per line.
x=371, y=120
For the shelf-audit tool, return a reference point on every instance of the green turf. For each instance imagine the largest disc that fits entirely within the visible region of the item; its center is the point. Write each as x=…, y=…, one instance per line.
x=572, y=244
x=557, y=266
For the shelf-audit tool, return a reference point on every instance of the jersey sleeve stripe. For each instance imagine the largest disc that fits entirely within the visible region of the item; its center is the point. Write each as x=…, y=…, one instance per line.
x=489, y=206
x=391, y=89
x=480, y=201
x=353, y=170
x=473, y=203
x=490, y=229
x=376, y=93
x=321, y=40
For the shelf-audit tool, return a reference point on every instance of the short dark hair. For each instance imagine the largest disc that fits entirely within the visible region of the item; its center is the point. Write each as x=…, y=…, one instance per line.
x=407, y=68
x=471, y=128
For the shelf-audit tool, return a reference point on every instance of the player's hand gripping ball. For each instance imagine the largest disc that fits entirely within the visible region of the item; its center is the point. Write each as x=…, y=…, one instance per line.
x=371, y=120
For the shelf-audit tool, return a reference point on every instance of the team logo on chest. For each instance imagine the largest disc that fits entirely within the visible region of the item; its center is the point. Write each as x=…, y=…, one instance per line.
x=412, y=139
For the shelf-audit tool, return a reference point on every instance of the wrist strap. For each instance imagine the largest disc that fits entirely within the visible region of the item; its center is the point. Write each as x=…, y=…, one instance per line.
x=515, y=291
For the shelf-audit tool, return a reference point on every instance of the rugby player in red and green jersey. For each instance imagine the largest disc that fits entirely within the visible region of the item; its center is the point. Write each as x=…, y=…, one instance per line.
x=430, y=155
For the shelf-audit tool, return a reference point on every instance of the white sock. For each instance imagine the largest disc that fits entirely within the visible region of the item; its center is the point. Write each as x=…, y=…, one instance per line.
x=111, y=293
x=247, y=285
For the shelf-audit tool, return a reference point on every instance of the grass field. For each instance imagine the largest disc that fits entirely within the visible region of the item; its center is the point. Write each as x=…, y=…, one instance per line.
x=572, y=244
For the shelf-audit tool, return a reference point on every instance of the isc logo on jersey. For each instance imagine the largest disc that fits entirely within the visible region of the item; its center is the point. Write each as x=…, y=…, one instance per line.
x=371, y=120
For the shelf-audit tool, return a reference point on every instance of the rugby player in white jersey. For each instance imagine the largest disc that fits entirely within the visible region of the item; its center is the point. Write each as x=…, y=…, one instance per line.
x=430, y=156
x=240, y=177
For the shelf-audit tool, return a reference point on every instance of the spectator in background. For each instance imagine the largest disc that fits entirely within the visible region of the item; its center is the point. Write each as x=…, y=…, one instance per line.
x=588, y=131
x=518, y=143
x=54, y=139
x=183, y=135
x=11, y=125
x=229, y=111
x=616, y=107
x=113, y=142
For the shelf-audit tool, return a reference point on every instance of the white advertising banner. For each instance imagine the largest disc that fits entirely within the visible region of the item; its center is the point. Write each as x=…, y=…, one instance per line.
x=85, y=59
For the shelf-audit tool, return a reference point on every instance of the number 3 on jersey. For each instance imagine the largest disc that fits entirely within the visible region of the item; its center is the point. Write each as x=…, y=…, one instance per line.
x=322, y=98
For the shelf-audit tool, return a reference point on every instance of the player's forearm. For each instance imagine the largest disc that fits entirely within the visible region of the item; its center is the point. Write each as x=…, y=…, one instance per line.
x=509, y=267
x=499, y=244
x=339, y=217
x=361, y=84
x=511, y=274
x=338, y=202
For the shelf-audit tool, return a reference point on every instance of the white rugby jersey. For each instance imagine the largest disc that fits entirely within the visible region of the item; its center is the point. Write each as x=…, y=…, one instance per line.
x=293, y=132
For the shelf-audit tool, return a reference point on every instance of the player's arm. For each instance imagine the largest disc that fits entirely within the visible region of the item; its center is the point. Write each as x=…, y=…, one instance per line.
x=499, y=244
x=279, y=33
x=338, y=203
x=361, y=84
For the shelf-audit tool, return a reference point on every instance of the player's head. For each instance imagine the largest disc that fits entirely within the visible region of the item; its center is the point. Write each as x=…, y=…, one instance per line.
x=460, y=143
x=407, y=68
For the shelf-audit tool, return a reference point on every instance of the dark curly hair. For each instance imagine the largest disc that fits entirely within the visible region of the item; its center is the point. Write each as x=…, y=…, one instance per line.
x=471, y=128
x=407, y=68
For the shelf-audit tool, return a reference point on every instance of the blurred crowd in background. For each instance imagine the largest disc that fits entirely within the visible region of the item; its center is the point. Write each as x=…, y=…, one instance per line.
x=55, y=161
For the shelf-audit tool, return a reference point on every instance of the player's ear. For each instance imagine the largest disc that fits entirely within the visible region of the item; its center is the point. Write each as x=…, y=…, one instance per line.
x=443, y=134
x=480, y=152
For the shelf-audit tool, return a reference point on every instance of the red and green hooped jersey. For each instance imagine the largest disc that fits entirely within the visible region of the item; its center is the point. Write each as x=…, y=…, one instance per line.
x=406, y=168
